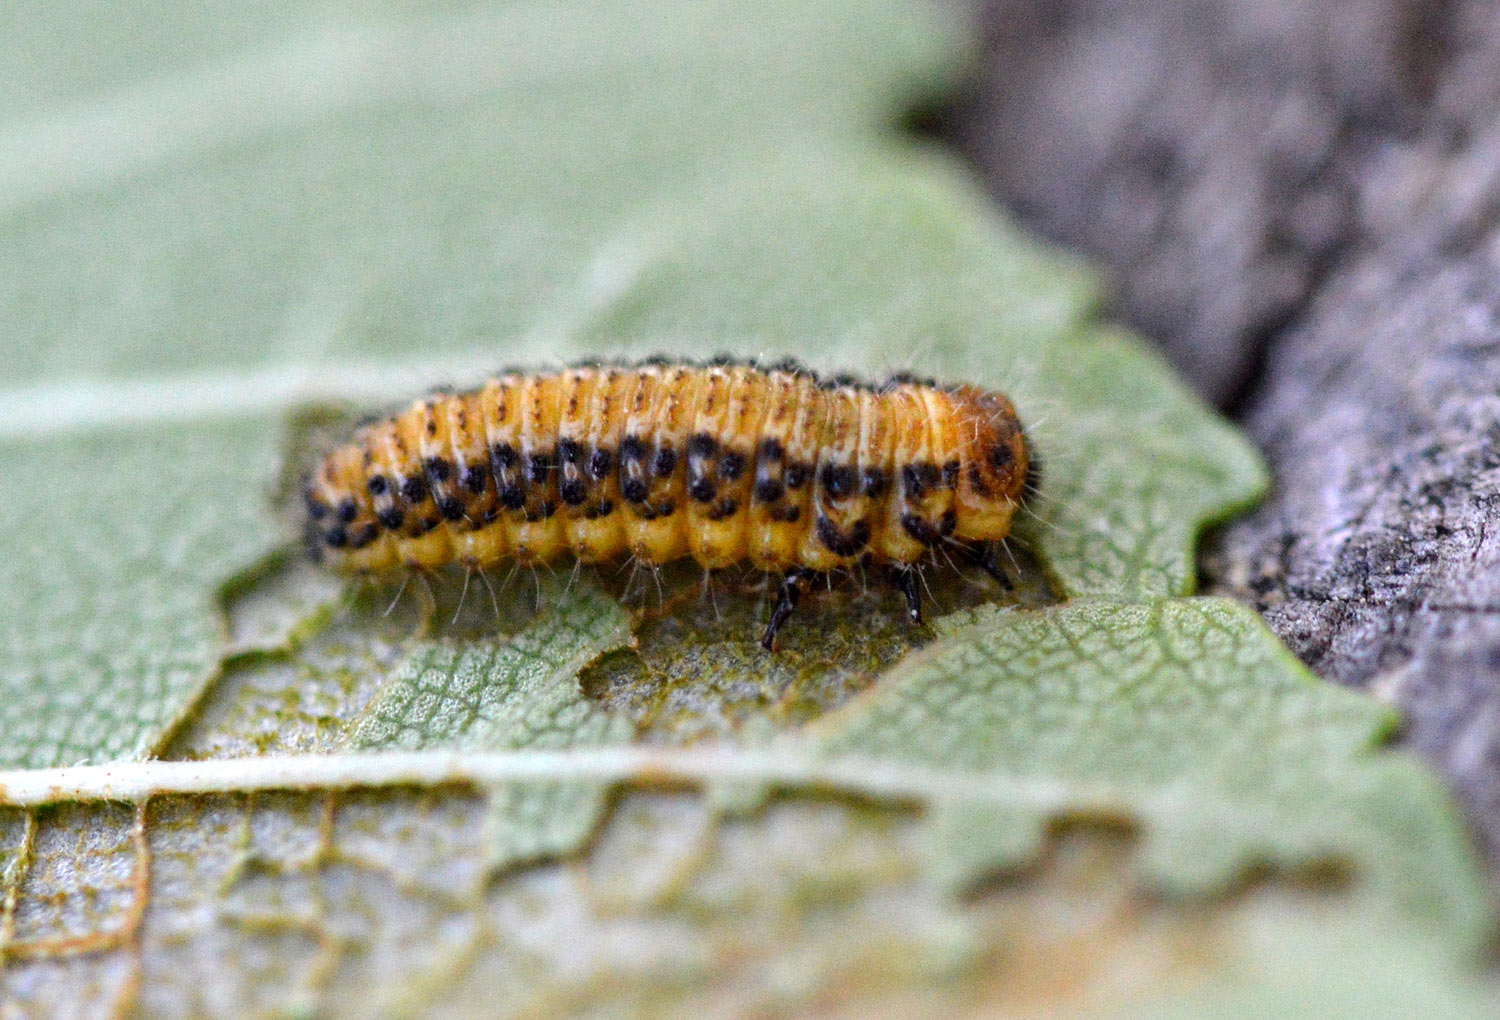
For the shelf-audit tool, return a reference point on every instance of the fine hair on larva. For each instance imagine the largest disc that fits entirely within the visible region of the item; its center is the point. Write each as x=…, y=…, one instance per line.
x=726, y=461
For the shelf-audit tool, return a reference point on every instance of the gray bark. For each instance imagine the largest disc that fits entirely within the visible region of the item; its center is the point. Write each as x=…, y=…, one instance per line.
x=1300, y=199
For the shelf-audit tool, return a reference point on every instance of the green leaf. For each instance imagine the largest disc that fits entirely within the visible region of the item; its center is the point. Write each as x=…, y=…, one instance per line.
x=1134, y=470
x=379, y=902
x=119, y=544
x=1340, y=968
x=512, y=693
x=277, y=282
x=1182, y=718
x=969, y=842
x=384, y=182
x=531, y=821
x=504, y=693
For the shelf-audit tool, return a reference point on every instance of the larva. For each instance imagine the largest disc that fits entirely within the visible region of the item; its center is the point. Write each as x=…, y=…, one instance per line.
x=725, y=462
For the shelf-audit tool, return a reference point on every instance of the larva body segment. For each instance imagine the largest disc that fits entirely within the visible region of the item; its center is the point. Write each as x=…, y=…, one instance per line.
x=725, y=462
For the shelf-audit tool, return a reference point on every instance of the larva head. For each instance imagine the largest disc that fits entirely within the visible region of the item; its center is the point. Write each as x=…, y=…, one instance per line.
x=994, y=465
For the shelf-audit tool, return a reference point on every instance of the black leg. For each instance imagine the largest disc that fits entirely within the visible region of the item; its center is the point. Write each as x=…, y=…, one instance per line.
x=906, y=580
x=791, y=590
x=984, y=555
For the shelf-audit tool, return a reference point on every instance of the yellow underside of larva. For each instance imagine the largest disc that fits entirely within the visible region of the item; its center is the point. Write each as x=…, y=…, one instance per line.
x=723, y=463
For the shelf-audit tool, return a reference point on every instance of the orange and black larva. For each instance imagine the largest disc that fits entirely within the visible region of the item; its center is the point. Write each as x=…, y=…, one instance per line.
x=726, y=462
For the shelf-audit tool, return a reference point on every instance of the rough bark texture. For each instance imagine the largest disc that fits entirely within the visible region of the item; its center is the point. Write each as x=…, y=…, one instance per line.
x=1301, y=200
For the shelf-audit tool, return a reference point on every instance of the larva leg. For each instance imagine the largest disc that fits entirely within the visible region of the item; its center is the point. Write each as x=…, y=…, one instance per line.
x=427, y=600
x=786, y=602
x=984, y=556
x=906, y=579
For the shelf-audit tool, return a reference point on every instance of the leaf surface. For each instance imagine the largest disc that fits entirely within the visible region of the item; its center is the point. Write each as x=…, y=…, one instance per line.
x=1179, y=716
x=513, y=693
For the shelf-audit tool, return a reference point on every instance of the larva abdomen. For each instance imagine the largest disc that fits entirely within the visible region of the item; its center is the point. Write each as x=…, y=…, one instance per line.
x=725, y=462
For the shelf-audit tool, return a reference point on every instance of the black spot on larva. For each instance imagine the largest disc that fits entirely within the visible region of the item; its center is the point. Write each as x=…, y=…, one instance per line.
x=569, y=451
x=426, y=524
x=603, y=508
x=920, y=529
x=646, y=512
x=364, y=536
x=908, y=379
x=502, y=457
x=541, y=512
x=770, y=449
x=666, y=507
x=316, y=509
x=840, y=542
x=488, y=517
x=837, y=480
x=948, y=522
x=785, y=513
x=976, y=479
x=573, y=492
x=723, y=510
x=702, y=490
x=634, y=490
x=336, y=538
x=347, y=510
x=377, y=485
x=391, y=517
x=769, y=490
x=632, y=448
x=950, y=474
x=414, y=489
x=918, y=477
x=512, y=497
x=873, y=482
x=721, y=361
x=666, y=462
x=450, y=508
x=1001, y=456
x=797, y=475
x=731, y=465
x=701, y=445
x=537, y=466
x=791, y=365
x=438, y=469
x=600, y=461
x=472, y=478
